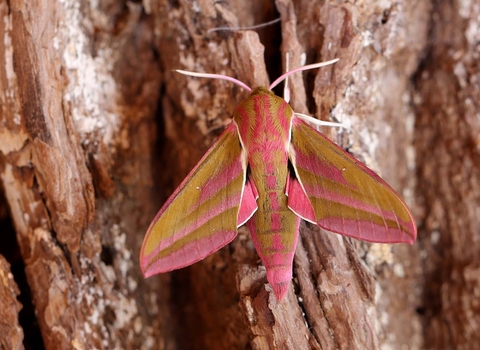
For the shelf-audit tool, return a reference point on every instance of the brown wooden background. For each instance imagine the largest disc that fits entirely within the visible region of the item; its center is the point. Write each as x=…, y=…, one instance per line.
x=96, y=131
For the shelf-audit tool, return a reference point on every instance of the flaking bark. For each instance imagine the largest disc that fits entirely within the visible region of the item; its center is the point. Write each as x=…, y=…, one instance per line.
x=11, y=334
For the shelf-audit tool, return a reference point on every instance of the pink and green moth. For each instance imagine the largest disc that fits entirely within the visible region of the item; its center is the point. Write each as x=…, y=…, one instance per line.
x=269, y=169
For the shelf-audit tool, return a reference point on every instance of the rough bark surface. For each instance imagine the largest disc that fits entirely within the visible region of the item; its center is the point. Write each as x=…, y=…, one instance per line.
x=11, y=334
x=447, y=139
x=96, y=131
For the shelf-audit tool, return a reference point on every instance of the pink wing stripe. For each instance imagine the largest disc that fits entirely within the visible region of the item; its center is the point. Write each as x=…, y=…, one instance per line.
x=346, y=196
x=320, y=192
x=190, y=253
x=218, y=183
x=365, y=230
x=249, y=203
x=318, y=165
x=298, y=201
x=199, y=222
x=230, y=131
x=324, y=168
x=184, y=232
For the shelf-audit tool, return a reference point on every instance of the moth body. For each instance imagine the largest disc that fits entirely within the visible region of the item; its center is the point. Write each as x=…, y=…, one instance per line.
x=268, y=170
x=264, y=123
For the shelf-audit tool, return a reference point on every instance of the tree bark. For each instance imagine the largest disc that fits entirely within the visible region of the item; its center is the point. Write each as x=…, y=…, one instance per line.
x=11, y=334
x=96, y=130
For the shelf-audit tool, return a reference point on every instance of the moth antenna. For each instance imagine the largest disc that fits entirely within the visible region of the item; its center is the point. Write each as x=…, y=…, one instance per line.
x=286, y=89
x=317, y=122
x=256, y=26
x=301, y=69
x=214, y=76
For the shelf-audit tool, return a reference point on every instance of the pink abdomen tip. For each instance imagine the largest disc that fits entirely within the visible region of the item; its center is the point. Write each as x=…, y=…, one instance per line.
x=279, y=278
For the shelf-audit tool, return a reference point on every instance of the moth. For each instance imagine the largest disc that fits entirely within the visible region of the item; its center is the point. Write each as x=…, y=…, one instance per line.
x=269, y=169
